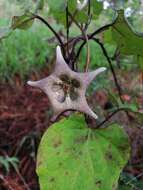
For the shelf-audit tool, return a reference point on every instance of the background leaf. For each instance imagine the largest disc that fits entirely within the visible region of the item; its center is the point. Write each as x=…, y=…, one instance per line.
x=57, y=10
x=128, y=41
x=97, y=7
x=22, y=22
x=73, y=156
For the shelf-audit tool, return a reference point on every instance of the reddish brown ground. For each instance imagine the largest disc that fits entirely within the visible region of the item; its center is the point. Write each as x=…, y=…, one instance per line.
x=23, y=113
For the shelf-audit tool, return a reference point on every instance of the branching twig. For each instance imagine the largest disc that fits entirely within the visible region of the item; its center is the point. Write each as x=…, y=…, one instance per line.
x=98, y=31
x=91, y=35
x=82, y=37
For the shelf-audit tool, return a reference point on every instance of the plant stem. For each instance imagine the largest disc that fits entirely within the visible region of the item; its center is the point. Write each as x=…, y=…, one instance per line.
x=100, y=30
x=109, y=117
x=86, y=42
x=88, y=55
x=86, y=37
x=109, y=61
x=79, y=50
x=51, y=28
x=111, y=68
x=90, y=36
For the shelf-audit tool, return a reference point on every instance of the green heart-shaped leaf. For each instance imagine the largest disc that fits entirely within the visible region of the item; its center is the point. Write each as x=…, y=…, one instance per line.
x=72, y=156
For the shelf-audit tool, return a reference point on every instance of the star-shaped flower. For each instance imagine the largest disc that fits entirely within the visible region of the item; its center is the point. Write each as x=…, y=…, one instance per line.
x=65, y=88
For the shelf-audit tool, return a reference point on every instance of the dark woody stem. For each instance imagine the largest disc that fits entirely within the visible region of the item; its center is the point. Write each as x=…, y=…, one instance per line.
x=91, y=35
x=111, y=68
x=51, y=28
x=109, y=117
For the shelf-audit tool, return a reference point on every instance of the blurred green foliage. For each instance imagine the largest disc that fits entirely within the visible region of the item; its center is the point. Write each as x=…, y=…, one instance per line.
x=24, y=52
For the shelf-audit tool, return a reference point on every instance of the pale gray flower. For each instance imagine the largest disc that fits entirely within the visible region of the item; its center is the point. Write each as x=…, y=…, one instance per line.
x=65, y=88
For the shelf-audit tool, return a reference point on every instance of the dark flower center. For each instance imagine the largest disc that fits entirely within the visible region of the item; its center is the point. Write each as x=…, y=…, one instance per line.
x=70, y=81
x=69, y=87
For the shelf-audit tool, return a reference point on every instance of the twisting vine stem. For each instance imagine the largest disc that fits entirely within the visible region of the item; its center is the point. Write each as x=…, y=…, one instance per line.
x=109, y=117
x=86, y=42
x=51, y=28
x=86, y=37
x=111, y=67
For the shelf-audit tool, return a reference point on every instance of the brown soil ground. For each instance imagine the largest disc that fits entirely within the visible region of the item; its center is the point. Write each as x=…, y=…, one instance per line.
x=23, y=119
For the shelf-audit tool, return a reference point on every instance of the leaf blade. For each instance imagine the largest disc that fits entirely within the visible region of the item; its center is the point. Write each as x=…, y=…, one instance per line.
x=24, y=21
x=77, y=153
